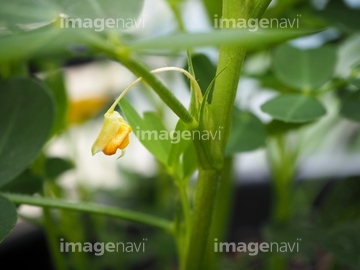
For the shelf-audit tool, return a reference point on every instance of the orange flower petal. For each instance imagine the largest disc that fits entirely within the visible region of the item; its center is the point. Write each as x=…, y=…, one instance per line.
x=114, y=134
x=120, y=141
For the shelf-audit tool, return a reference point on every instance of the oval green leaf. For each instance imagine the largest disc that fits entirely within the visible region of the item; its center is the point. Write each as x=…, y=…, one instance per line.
x=204, y=71
x=213, y=9
x=276, y=127
x=26, y=117
x=40, y=11
x=342, y=241
x=48, y=41
x=294, y=108
x=304, y=69
x=350, y=107
x=181, y=157
x=8, y=217
x=248, y=133
x=25, y=183
x=355, y=81
x=150, y=131
x=54, y=167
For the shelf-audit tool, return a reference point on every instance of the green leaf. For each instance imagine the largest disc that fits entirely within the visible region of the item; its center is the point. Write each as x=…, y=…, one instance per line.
x=103, y=9
x=350, y=107
x=303, y=198
x=26, y=117
x=269, y=80
x=195, y=96
x=177, y=148
x=8, y=217
x=338, y=14
x=304, y=69
x=294, y=108
x=40, y=11
x=214, y=9
x=26, y=12
x=59, y=37
x=189, y=160
x=240, y=37
x=276, y=127
x=47, y=41
x=204, y=70
x=25, y=183
x=182, y=157
x=54, y=167
x=343, y=242
x=150, y=131
x=340, y=205
x=160, y=145
x=355, y=81
x=247, y=133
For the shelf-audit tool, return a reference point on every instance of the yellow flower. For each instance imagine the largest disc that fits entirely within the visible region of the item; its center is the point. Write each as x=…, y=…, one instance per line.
x=84, y=109
x=114, y=135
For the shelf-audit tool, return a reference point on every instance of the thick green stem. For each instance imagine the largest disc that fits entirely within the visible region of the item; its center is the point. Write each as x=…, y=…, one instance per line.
x=220, y=111
x=201, y=219
x=230, y=60
x=220, y=220
x=229, y=68
x=93, y=209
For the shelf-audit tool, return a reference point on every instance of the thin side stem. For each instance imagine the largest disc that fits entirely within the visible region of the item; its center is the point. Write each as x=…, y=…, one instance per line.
x=174, y=5
x=184, y=231
x=163, y=92
x=93, y=209
x=185, y=205
x=155, y=71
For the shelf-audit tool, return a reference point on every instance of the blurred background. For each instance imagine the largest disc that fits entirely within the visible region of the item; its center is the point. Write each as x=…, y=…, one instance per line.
x=327, y=169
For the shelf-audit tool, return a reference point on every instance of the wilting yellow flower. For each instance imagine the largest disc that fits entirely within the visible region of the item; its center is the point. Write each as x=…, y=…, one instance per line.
x=114, y=135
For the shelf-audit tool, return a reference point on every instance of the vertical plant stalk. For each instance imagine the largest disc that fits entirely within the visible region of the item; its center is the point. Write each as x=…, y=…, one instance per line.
x=185, y=205
x=230, y=62
x=183, y=230
x=222, y=210
x=53, y=241
x=282, y=163
x=206, y=187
